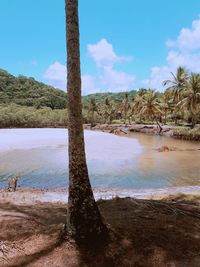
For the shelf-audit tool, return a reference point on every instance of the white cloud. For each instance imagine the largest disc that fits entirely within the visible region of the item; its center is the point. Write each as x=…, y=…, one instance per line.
x=116, y=81
x=158, y=75
x=189, y=60
x=107, y=79
x=188, y=39
x=56, y=75
x=145, y=82
x=105, y=59
x=104, y=55
x=89, y=84
x=184, y=51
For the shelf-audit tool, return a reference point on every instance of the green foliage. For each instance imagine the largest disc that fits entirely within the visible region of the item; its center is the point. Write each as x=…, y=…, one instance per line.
x=188, y=134
x=191, y=97
x=25, y=102
x=100, y=98
x=28, y=92
x=17, y=116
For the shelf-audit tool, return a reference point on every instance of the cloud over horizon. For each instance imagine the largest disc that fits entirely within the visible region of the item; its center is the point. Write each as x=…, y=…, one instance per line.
x=183, y=51
x=107, y=77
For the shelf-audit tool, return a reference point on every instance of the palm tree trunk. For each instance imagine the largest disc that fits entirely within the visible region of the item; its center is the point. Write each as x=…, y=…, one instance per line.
x=193, y=121
x=159, y=126
x=83, y=218
x=165, y=117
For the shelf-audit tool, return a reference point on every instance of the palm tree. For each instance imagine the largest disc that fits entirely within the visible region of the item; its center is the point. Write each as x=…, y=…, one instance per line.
x=166, y=103
x=137, y=103
x=84, y=221
x=177, y=85
x=93, y=107
x=151, y=107
x=109, y=110
x=191, y=97
x=125, y=107
x=178, y=82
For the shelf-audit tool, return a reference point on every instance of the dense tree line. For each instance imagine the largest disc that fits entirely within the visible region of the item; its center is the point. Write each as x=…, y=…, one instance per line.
x=179, y=104
x=25, y=102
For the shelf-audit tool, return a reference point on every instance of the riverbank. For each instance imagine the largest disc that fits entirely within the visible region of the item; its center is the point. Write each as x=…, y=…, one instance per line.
x=179, y=132
x=60, y=195
x=184, y=133
x=144, y=232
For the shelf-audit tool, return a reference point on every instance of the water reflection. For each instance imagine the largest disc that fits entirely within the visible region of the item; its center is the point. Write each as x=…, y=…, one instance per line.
x=40, y=157
x=179, y=167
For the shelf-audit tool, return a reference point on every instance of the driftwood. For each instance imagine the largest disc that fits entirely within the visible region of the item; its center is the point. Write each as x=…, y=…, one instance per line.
x=118, y=131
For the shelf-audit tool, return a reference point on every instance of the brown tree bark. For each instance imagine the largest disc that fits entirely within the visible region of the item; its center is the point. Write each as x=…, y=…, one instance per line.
x=84, y=221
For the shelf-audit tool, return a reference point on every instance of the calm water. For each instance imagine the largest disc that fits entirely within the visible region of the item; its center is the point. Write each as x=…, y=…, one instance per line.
x=39, y=156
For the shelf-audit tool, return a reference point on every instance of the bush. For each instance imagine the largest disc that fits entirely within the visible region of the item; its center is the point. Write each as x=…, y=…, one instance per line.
x=30, y=117
x=188, y=133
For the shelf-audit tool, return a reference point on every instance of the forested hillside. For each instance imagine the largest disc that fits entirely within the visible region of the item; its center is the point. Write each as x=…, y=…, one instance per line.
x=29, y=92
x=25, y=102
x=26, y=91
x=101, y=97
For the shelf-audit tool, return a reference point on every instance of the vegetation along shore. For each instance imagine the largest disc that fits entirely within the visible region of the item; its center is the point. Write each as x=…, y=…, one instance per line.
x=27, y=103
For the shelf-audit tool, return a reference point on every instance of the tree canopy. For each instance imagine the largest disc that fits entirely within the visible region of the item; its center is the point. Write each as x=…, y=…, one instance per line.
x=26, y=91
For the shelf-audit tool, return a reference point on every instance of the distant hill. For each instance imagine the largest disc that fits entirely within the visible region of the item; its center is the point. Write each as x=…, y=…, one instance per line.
x=101, y=97
x=29, y=92
x=26, y=91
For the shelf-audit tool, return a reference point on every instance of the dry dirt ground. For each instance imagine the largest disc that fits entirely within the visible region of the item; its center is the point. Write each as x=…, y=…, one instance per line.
x=144, y=233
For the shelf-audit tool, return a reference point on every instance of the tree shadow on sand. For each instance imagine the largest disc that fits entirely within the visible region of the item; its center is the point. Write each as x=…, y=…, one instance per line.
x=143, y=233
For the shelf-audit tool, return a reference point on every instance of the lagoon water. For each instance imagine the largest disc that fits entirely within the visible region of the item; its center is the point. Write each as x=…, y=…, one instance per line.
x=39, y=156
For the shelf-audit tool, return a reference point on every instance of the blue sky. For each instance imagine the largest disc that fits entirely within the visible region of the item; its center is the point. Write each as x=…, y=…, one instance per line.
x=125, y=44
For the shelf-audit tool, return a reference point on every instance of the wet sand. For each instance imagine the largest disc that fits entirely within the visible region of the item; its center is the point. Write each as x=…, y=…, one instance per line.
x=33, y=196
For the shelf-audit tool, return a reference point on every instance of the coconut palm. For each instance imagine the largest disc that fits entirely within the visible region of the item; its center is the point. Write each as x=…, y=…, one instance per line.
x=108, y=110
x=93, y=107
x=151, y=107
x=166, y=103
x=125, y=107
x=136, y=104
x=191, y=97
x=84, y=221
x=177, y=83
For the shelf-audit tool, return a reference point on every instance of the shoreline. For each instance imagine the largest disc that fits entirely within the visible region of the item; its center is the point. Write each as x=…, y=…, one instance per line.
x=177, y=132
x=60, y=195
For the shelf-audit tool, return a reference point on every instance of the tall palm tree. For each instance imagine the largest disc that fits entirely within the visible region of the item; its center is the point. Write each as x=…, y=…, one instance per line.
x=151, y=106
x=125, y=107
x=178, y=82
x=109, y=110
x=191, y=97
x=177, y=85
x=166, y=103
x=84, y=221
x=93, y=107
x=137, y=102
